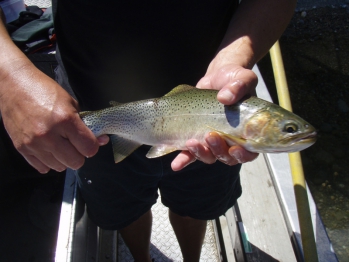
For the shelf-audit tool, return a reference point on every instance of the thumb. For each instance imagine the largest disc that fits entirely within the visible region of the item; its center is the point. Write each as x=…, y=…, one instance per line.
x=82, y=138
x=204, y=83
x=103, y=140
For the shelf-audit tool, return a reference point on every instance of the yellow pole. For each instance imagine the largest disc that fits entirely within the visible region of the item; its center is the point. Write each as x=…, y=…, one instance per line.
x=300, y=190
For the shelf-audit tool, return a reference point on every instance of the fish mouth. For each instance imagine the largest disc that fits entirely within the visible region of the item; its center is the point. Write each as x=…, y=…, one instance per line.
x=300, y=139
x=297, y=144
x=308, y=138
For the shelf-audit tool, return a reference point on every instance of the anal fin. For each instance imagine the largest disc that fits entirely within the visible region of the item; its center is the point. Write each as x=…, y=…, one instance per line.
x=161, y=150
x=122, y=147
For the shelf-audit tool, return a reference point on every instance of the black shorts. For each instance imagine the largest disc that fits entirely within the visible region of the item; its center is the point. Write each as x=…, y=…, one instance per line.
x=118, y=194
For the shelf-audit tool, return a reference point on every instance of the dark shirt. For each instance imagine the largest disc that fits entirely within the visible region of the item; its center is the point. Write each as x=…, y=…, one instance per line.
x=130, y=50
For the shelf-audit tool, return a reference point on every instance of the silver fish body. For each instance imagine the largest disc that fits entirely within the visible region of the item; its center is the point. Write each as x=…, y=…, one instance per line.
x=186, y=112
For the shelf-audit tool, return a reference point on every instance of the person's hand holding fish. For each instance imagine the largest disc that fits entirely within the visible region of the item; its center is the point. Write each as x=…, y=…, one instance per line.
x=234, y=82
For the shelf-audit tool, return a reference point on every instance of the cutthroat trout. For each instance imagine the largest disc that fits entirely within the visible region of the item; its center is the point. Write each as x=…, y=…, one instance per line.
x=186, y=112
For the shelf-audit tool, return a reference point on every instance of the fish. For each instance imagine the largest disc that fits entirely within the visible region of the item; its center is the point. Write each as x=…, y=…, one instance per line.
x=186, y=112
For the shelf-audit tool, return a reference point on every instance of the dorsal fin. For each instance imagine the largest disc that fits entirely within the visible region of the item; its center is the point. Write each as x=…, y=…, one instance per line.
x=114, y=103
x=179, y=89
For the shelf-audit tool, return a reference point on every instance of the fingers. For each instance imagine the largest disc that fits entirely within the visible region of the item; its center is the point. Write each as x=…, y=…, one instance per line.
x=182, y=160
x=44, y=161
x=80, y=137
x=37, y=164
x=65, y=146
x=200, y=152
x=195, y=151
x=103, y=140
x=43, y=122
x=240, y=83
x=216, y=149
x=53, y=152
x=78, y=142
x=232, y=81
x=241, y=155
x=230, y=156
x=233, y=92
x=220, y=149
x=66, y=154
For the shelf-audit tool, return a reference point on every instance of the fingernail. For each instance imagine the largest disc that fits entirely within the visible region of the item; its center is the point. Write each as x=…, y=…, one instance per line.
x=226, y=95
x=193, y=149
x=103, y=140
x=212, y=141
x=237, y=156
x=102, y=143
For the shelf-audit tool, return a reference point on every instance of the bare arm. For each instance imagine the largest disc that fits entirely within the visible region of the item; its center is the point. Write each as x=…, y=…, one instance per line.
x=255, y=27
x=2, y=16
x=40, y=117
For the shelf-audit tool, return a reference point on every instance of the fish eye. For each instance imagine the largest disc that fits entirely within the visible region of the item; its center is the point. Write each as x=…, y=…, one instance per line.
x=290, y=128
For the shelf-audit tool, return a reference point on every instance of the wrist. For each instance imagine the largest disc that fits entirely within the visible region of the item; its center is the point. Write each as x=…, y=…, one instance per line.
x=13, y=71
x=15, y=78
x=240, y=52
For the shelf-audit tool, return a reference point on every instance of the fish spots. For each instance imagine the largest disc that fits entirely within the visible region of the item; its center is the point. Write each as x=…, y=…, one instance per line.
x=191, y=113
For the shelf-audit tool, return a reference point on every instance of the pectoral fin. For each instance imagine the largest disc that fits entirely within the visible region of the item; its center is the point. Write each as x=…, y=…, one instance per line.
x=230, y=139
x=122, y=147
x=157, y=151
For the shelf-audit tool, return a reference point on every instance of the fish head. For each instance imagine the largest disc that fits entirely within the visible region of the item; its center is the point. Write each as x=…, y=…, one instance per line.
x=276, y=130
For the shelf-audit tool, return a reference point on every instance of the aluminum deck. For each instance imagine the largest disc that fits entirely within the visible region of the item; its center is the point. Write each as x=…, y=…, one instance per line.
x=164, y=246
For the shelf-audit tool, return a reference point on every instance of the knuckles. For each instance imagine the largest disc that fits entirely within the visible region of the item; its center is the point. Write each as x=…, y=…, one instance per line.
x=61, y=118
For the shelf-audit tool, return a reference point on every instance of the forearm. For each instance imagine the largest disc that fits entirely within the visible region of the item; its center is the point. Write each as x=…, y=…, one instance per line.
x=254, y=28
x=8, y=49
x=2, y=16
x=12, y=62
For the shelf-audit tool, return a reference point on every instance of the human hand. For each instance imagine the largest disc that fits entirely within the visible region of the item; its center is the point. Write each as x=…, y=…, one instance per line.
x=233, y=83
x=43, y=122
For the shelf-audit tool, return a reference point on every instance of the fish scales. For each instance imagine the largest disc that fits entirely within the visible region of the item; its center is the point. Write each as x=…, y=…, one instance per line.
x=186, y=112
x=184, y=119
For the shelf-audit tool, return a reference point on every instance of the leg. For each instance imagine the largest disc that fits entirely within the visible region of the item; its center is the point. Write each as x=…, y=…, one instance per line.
x=190, y=233
x=137, y=237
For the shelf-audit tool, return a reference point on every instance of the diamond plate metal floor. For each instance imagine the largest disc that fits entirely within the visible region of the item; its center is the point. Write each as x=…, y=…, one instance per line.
x=164, y=245
x=39, y=3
